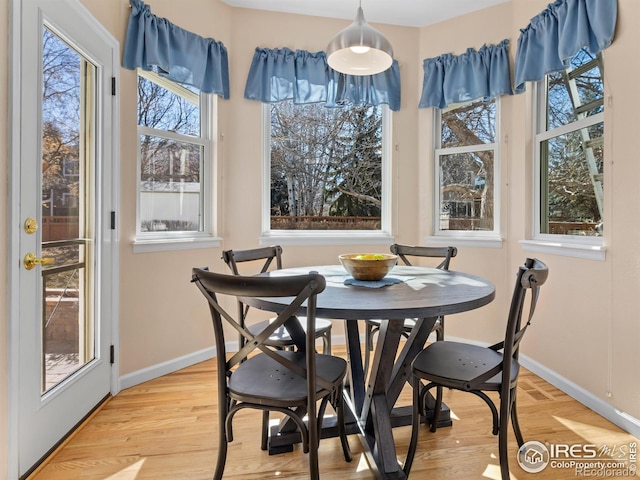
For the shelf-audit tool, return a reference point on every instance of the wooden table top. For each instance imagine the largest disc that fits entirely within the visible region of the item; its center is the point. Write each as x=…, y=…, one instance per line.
x=423, y=292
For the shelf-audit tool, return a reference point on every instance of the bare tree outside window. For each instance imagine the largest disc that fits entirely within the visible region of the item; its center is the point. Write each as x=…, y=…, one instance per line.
x=68, y=184
x=326, y=167
x=171, y=156
x=571, y=161
x=61, y=70
x=465, y=162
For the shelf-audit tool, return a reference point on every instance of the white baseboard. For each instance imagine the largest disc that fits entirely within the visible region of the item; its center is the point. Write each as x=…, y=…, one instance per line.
x=601, y=407
x=598, y=405
x=164, y=368
x=622, y=419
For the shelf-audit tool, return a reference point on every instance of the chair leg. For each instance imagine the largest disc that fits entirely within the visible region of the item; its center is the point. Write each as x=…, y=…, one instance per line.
x=265, y=430
x=222, y=458
x=436, y=409
x=346, y=450
x=514, y=420
x=326, y=348
x=504, y=458
x=368, y=346
x=320, y=414
x=416, y=411
x=222, y=441
x=505, y=407
x=440, y=330
x=312, y=442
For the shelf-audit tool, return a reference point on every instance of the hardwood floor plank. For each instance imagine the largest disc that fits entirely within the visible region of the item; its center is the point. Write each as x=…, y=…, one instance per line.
x=165, y=429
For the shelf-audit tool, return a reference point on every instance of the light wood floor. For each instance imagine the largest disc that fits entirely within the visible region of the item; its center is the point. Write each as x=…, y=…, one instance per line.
x=165, y=429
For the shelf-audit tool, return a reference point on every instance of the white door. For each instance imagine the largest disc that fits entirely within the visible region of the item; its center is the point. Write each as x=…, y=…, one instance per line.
x=66, y=240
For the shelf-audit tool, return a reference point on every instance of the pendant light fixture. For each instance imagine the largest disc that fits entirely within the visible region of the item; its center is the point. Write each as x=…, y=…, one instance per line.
x=359, y=49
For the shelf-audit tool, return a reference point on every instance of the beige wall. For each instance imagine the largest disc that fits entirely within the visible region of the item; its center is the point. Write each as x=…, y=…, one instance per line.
x=587, y=328
x=161, y=318
x=164, y=317
x=623, y=282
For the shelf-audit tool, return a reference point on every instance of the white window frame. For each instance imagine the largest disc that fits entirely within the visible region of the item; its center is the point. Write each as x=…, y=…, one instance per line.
x=586, y=247
x=472, y=238
x=327, y=237
x=165, y=241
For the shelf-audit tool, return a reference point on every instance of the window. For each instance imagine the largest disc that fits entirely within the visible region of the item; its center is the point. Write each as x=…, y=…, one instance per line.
x=174, y=160
x=328, y=171
x=569, y=152
x=71, y=167
x=466, y=166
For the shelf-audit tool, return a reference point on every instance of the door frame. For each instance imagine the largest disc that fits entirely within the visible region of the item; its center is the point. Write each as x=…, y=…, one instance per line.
x=109, y=202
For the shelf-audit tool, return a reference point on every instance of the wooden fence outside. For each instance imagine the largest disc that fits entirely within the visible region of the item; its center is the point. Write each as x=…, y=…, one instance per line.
x=59, y=228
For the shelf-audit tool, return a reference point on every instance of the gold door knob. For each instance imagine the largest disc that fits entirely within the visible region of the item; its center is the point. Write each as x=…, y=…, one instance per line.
x=30, y=261
x=30, y=225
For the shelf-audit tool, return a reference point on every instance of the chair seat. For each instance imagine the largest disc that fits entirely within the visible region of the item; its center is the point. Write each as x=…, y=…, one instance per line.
x=453, y=364
x=281, y=338
x=261, y=379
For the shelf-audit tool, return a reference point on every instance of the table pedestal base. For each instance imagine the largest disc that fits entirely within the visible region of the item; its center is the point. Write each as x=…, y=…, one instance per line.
x=283, y=442
x=371, y=411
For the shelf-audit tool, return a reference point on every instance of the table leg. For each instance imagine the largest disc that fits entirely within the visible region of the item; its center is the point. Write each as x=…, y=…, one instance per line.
x=402, y=367
x=376, y=408
x=295, y=330
x=376, y=411
x=356, y=371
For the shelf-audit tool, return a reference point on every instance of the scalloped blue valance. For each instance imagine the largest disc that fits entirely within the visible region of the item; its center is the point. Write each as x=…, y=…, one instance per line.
x=177, y=54
x=559, y=32
x=482, y=73
x=304, y=77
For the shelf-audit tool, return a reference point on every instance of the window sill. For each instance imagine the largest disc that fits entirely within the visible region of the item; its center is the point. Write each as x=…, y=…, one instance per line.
x=290, y=237
x=585, y=251
x=465, y=239
x=170, y=244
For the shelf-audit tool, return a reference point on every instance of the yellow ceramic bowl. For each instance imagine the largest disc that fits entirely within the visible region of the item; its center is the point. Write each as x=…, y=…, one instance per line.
x=368, y=266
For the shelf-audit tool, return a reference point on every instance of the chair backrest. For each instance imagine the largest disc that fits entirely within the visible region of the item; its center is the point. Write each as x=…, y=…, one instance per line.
x=268, y=254
x=531, y=276
x=446, y=253
x=300, y=287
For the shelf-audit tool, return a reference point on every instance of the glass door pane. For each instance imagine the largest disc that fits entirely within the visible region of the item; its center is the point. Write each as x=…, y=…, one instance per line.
x=68, y=330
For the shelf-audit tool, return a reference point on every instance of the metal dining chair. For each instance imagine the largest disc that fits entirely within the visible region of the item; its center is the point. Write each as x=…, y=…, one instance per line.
x=280, y=337
x=262, y=378
x=403, y=252
x=476, y=369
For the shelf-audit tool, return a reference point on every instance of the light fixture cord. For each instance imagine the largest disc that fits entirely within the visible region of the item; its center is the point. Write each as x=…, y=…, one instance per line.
x=361, y=32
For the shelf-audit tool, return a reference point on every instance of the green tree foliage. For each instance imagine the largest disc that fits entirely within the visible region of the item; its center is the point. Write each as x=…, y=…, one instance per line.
x=325, y=161
x=356, y=179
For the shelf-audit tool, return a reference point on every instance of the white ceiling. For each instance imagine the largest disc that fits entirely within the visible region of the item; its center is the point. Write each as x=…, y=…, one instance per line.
x=413, y=13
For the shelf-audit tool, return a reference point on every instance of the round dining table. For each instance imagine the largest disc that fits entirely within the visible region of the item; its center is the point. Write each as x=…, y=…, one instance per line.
x=421, y=293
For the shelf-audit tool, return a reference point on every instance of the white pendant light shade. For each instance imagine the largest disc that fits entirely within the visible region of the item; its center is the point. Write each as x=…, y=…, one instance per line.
x=359, y=49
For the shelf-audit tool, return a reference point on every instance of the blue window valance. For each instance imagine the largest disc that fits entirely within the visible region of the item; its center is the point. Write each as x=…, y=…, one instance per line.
x=304, y=77
x=482, y=73
x=155, y=43
x=559, y=32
